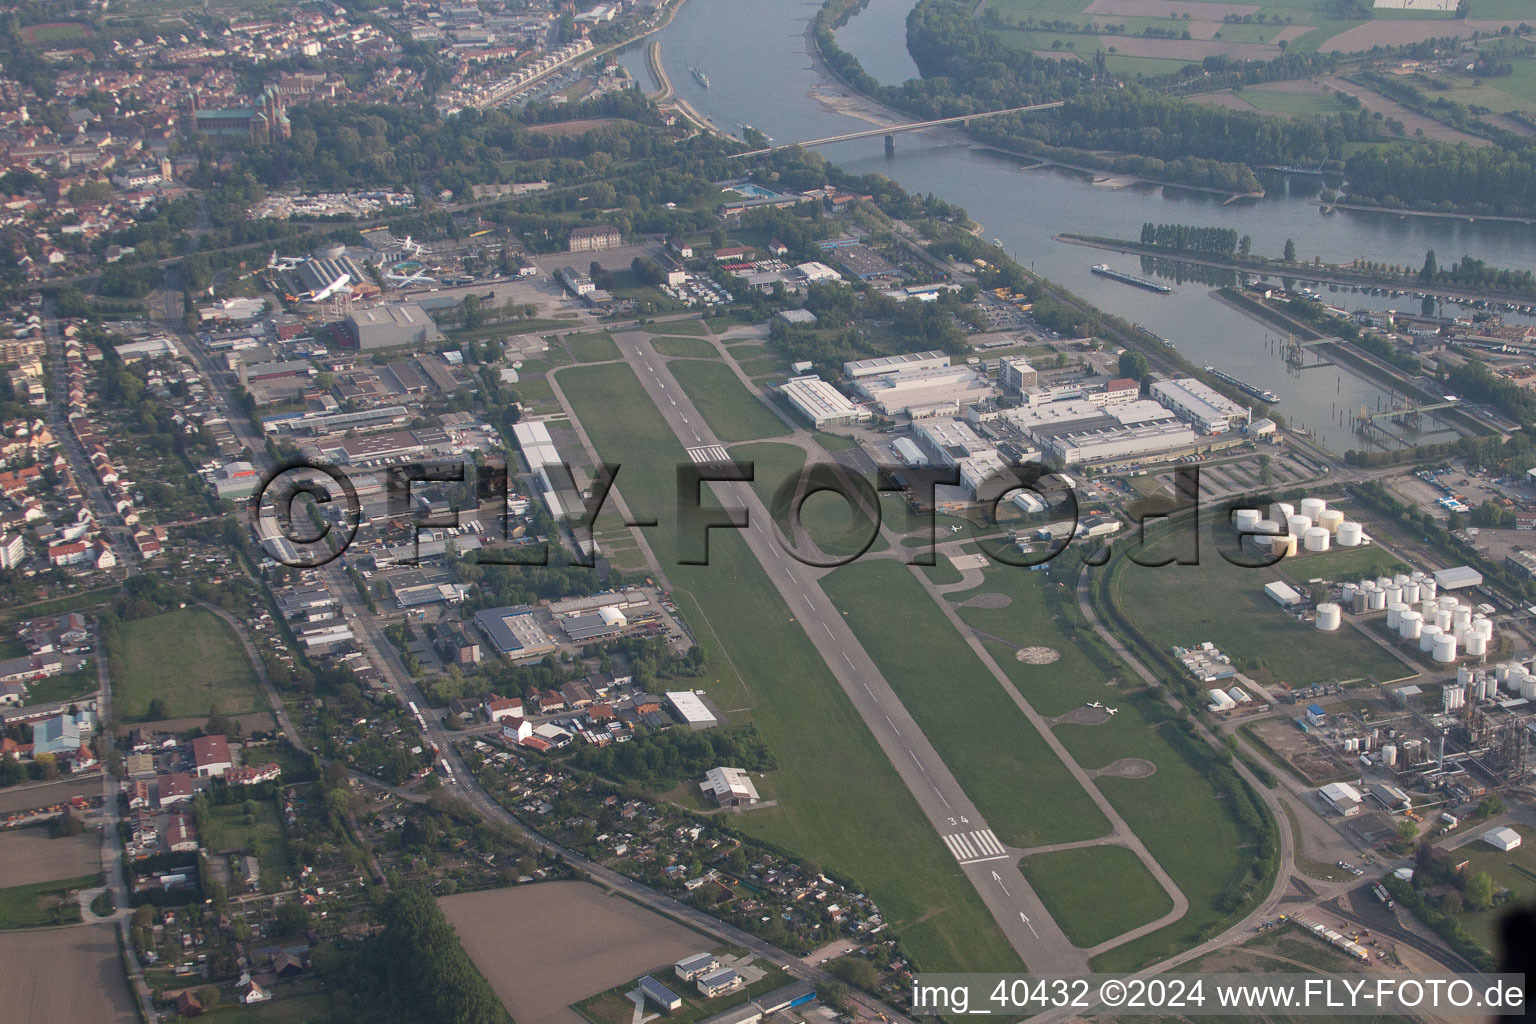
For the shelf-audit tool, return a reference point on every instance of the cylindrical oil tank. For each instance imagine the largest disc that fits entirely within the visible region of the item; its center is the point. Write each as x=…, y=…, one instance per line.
x=1443, y=618
x=1389, y=755
x=1448, y=601
x=1378, y=599
x=1280, y=510
x=1349, y=535
x=1347, y=592
x=1298, y=525
x=1401, y=578
x=1327, y=616
x=1246, y=520
x=1464, y=674
x=1428, y=589
x=1411, y=592
x=1362, y=602
x=1477, y=647
x=1313, y=507
x=1444, y=649
x=1461, y=633
x=1284, y=546
x=1528, y=687
x=1315, y=539
x=1395, y=611
x=1394, y=593
x=1383, y=582
x=1427, y=636
x=1331, y=520
x=1409, y=624
x=1267, y=526
x=1462, y=615
x=1501, y=671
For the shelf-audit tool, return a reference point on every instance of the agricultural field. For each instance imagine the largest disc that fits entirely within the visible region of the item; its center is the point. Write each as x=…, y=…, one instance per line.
x=1226, y=604
x=983, y=737
x=1096, y=892
x=32, y=964
x=733, y=412
x=188, y=660
x=689, y=348
x=1293, y=103
x=30, y=856
x=762, y=668
x=543, y=947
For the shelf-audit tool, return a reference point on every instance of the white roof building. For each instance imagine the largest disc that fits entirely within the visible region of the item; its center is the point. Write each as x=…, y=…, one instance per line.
x=1342, y=797
x=1282, y=594
x=1210, y=411
x=821, y=403
x=691, y=709
x=1502, y=838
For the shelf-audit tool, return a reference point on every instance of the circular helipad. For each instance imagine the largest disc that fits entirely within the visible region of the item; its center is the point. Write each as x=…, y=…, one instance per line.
x=1129, y=768
x=1037, y=655
x=988, y=601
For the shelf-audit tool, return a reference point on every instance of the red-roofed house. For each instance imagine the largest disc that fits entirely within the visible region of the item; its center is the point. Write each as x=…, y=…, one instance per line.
x=175, y=787
x=248, y=776
x=211, y=755
x=76, y=553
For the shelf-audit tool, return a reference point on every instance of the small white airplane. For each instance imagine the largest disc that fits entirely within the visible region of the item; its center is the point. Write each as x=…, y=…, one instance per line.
x=1111, y=711
x=954, y=529
x=1093, y=704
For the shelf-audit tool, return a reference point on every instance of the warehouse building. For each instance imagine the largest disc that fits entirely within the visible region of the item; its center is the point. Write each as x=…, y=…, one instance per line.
x=821, y=403
x=1343, y=798
x=659, y=994
x=730, y=787
x=932, y=360
x=1457, y=578
x=1282, y=594
x=1503, y=839
x=392, y=326
x=513, y=632
x=598, y=625
x=688, y=707
x=1147, y=442
x=1205, y=407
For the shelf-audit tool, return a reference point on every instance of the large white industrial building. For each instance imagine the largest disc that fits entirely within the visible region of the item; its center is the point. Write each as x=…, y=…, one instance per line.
x=538, y=449
x=1086, y=428
x=1205, y=407
x=925, y=391
x=933, y=360
x=821, y=403
x=1146, y=441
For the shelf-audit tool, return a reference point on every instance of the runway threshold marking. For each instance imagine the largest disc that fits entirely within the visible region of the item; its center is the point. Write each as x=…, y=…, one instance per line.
x=709, y=453
x=975, y=847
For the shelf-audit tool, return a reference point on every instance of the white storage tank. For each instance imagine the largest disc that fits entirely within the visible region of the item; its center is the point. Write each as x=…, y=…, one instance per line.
x=1464, y=675
x=1246, y=520
x=1401, y=578
x=1501, y=671
x=1328, y=616
x=1281, y=510
x=1409, y=624
x=1331, y=520
x=1449, y=601
x=1395, y=611
x=1444, y=649
x=1349, y=535
x=1315, y=538
x=1528, y=687
x=1389, y=754
x=1427, y=636
x=1267, y=526
x=1411, y=592
x=1284, y=546
x=1461, y=616
x=1443, y=618
x=1394, y=593
x=1378, y=599
x=1428, y=588
x=1313, y=507
x=1347, y=595
x=1383, y=582
x=1477, y=647
x=1298, y=525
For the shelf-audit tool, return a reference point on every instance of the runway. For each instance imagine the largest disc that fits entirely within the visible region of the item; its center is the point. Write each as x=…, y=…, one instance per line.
x=991, y=867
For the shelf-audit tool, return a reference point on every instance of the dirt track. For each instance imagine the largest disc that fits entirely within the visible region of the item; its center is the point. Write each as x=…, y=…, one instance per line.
x=543, y=947
x=30, y=856
x=64, y=974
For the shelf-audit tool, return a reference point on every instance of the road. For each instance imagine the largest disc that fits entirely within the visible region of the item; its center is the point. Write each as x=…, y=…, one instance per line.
x=991, y=867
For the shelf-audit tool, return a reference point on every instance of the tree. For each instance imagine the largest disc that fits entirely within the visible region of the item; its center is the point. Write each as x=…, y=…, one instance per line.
x=1245, y=245
x=1490, y=806
x=156, y=711
x=1290, y=251
x=1431, y=268
x=1479, y=891
x=1133, y=365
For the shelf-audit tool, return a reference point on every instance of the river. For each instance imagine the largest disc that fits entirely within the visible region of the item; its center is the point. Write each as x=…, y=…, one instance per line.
x=755, y=55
